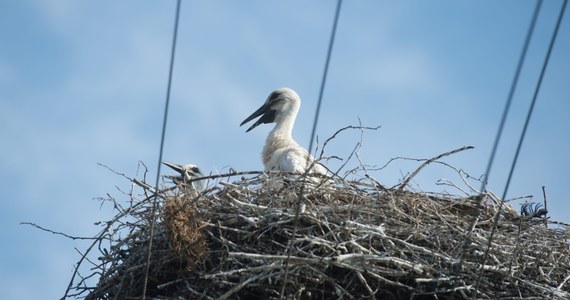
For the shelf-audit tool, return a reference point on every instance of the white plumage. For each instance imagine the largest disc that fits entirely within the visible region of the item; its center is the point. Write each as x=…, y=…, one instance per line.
x=186, y=173
x=281, y=152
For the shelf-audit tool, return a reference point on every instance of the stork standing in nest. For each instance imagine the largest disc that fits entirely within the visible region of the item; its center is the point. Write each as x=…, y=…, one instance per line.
x=281, y=152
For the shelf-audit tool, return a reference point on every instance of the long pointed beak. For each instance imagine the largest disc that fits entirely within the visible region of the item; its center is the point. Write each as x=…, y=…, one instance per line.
x=268, y=116
x=176, y=167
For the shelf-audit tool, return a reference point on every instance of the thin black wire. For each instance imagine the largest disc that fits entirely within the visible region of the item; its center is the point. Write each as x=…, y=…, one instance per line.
x=506, y=110
x=535, y=96
x=164, y=120
x=325, y=72
x=315, y=121
x=522, y=136
x=511, y=94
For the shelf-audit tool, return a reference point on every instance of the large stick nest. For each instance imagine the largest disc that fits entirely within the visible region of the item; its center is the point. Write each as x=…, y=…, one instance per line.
x=250, y=239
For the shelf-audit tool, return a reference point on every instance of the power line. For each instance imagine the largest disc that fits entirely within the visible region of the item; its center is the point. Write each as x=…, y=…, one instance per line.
x=511, y=94
x=315, y=121
x=325, y=72
x=535, y=96
x=522, y=136
x=506, y=110
x=163, y=134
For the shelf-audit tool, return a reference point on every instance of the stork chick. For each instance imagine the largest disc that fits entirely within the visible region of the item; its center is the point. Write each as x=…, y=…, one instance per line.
x=186, y=174
x=281, y=152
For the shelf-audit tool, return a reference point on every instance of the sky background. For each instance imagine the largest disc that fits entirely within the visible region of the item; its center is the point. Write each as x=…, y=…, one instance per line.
x=84, y=82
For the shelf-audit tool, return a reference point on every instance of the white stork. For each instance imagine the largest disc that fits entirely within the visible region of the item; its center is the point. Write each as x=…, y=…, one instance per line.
x=281, y=152
x=187, y=173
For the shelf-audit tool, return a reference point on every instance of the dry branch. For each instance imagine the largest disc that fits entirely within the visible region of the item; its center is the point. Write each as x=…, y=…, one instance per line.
x=427, y=162
x=253, y=235
x=353, y=240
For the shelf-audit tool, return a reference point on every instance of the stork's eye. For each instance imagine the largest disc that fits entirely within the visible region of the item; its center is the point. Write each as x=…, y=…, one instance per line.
x=196, y=170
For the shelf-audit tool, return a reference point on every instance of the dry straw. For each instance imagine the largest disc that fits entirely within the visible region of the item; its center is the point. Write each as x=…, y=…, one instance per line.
x=353, y=240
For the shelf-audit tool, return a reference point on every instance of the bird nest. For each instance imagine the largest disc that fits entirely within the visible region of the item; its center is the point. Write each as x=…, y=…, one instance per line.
x=260, y=238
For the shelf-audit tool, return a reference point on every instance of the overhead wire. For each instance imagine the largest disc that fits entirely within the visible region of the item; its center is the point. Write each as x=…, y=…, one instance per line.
x=162, y=137
x=313, y=131
x=522, y=57
x=325, y=73
x=514, y=83
x=521, y=139
x=535, y=96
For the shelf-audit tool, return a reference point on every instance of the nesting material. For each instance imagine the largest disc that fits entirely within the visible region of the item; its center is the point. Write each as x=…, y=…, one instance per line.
x=348, y=240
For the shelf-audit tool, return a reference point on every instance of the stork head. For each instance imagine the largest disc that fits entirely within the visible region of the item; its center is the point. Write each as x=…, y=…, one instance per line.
x=191, y=171
x=281, y=105
x=187, y=173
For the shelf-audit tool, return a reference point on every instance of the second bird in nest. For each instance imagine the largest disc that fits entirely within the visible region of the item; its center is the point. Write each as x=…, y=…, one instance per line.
x=187, y=175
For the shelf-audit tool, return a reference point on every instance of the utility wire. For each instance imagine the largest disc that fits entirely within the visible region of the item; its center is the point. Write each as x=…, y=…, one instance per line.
x=521, y=138
x=535, y=96
x=506, y=110
x=325, y=72
x=315, y=121
x=164, y=120
x=511, y=94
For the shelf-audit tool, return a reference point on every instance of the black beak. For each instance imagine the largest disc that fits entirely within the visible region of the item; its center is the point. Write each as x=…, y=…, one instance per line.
x=195, y=171
x=266, y=113
x=175, y=167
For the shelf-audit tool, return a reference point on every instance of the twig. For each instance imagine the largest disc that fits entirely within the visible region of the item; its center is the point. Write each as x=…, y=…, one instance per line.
x=341, y=130
x=407, y=180
x=545, y=207
x=559, y=287
x=58, y=233
x=239, y=287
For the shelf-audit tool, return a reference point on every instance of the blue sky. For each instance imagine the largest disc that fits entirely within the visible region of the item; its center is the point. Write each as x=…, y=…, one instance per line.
x=83, y=83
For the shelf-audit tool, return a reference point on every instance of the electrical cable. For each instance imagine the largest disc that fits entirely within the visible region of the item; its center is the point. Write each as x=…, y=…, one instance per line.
x=511, y=95
x=315, y=121
x=164, y=121
x=325, y=73
x=521, y=139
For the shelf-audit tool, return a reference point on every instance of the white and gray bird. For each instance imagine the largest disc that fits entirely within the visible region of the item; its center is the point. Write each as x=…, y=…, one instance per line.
x=186, y=174
x=281, y=152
